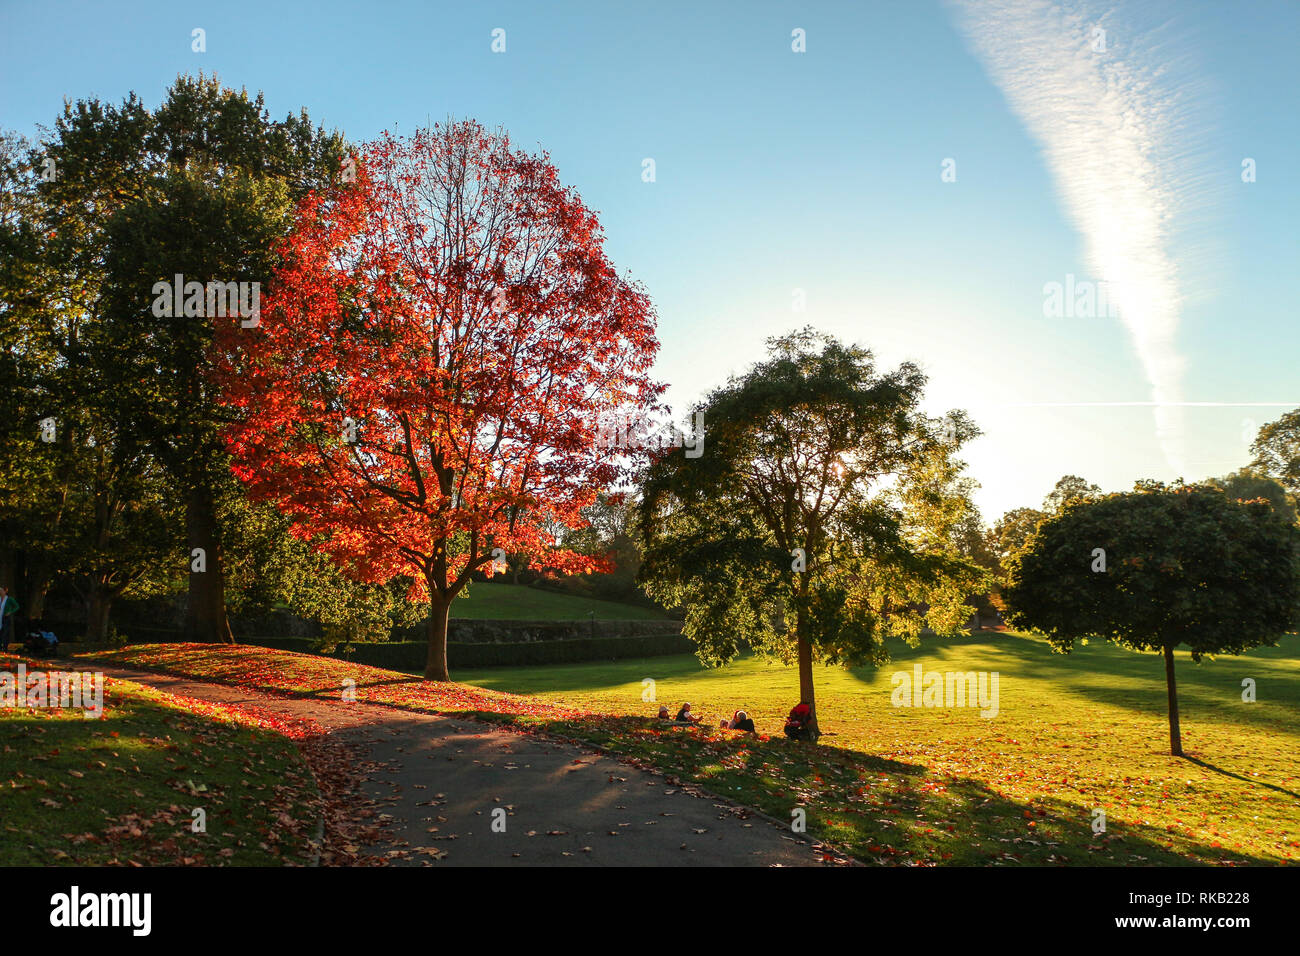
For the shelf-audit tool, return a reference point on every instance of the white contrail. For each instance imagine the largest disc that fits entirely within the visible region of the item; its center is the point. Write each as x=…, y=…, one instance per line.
x=1107, y=115
x=1133, y=404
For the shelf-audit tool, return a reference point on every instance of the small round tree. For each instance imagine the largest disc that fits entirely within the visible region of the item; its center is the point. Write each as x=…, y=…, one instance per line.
x=1159, y=567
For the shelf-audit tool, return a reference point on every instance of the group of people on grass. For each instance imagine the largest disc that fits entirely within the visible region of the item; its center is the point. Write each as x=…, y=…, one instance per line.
x=797, y=725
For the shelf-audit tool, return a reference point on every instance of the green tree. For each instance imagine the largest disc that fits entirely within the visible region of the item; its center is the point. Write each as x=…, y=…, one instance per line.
x=819, y=517
x=1004, y=541
x=1277, y=451
x=1069, y=488
x=120, y=524
x=1246, y=484
x=1011, y=533
x=971, y=540
x=607, y=538
x=38, y=450
x=1157, y=568
x=203, y=187
x=272, y=568
x=67, y=476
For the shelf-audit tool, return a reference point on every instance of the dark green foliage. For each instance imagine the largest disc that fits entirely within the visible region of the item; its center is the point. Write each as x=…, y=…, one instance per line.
x=1184, y=566
x=1246, y=484
x=204, y=186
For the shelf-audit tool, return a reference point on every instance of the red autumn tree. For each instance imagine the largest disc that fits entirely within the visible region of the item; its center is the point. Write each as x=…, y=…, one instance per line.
x=425, y=388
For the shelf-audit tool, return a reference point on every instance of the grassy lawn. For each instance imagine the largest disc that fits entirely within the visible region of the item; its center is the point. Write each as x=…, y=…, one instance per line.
x=912, y=785
x=493, y=601
x=121, y=789
x=1073, y=732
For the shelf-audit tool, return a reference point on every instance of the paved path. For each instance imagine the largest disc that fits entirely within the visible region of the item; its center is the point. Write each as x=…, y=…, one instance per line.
x=563, y=805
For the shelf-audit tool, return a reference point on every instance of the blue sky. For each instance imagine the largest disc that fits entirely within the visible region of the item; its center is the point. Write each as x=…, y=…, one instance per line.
x=820, y=171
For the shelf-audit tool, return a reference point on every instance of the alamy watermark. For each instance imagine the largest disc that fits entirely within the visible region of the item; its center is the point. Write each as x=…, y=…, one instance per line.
x=950, y=689
x=75, y=908
x=628, y=430
x=214, y=300
x=80, y=690
x=1077, y=299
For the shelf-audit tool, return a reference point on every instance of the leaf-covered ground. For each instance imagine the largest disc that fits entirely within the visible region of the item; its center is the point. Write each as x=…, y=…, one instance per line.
x=916, y=786
x=121, y=789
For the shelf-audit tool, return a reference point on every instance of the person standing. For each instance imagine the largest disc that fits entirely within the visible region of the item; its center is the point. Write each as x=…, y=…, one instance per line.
x=8, y=608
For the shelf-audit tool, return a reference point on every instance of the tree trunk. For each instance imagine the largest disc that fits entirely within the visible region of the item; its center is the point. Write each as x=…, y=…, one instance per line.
x=1175, y=734
x=807, y=694
x=9, y=561
x=39, y=572
x=97, y=607
x=205, y=618
x=38, y=586
x=435, y=665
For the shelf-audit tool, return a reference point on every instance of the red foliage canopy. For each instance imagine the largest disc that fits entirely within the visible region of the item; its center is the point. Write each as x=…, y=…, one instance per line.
x=433, y=362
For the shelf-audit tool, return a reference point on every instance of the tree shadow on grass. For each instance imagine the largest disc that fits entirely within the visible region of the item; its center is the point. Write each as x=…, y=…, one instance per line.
x=1118, y=677
x=1209, y=694
x=883, y=810
x=1236, y=776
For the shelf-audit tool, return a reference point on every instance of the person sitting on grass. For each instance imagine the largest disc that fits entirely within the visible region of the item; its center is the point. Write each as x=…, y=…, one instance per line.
x=663, y=712
x=797, y=724
x=742, y=721
x=684, y=716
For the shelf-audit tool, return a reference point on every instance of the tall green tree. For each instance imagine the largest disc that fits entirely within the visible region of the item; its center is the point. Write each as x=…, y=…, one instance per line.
x=819, y=517
x=1277, y=451
x=39, y=430
x=1159, y=568
x=203, y=187
x=84, y=499
x=80, y=173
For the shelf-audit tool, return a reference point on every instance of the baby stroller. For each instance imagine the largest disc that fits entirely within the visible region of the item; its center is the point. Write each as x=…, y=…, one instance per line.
x=40, y=642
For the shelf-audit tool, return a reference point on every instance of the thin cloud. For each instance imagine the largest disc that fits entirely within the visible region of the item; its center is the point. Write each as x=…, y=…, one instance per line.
x=1109, y=122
